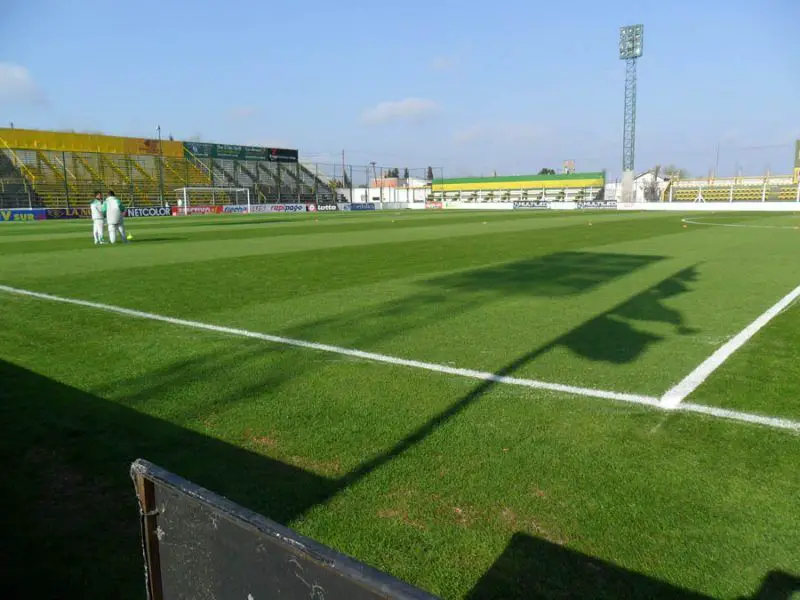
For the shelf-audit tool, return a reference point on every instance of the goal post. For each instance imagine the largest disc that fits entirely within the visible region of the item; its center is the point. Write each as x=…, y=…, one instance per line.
x=186, y=197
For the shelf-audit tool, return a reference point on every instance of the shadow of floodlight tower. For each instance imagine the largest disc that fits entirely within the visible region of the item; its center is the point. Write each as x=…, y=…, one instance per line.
x=630, y=49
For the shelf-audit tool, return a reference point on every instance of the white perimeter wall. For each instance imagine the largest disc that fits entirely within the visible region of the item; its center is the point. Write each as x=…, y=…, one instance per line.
x=713, y=206
x=643, y=206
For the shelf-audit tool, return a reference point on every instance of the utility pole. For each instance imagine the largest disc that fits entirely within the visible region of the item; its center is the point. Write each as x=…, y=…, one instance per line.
x=160, y=169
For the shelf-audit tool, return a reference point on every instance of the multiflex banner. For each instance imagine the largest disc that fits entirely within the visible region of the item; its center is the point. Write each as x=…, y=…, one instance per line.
x=531, y=205
x=598, y=204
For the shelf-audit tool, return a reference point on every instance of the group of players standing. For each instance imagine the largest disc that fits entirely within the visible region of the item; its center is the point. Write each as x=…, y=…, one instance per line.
x=112, y=211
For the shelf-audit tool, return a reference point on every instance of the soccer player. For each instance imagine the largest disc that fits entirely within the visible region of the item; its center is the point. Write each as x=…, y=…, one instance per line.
x=115, y=217
x=96, y=207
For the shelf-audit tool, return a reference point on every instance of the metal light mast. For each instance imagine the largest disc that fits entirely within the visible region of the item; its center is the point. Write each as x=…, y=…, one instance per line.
x=630, y=49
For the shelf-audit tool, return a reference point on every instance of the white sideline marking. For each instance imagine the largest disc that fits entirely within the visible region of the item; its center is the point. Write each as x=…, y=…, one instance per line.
x=482, y=375
x=693, y=380
x=740, y=225
x=724, y=413
x=650, y=401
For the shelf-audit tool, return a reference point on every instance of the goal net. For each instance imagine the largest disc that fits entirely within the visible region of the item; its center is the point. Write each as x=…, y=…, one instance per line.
x=193, y=200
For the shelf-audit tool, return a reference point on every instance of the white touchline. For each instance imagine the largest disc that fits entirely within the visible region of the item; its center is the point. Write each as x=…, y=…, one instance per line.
x=693, y=380
x=650, y=401
x=371, y=356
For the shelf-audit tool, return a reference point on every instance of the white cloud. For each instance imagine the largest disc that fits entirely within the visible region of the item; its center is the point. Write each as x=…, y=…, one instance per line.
x=242, y=112
x=18, y=87
x=498, y=132
x=443, y=63
x=409, y=109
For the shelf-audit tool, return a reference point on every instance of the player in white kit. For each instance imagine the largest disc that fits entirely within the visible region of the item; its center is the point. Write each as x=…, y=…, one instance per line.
x=115, y=217
x=96, y=207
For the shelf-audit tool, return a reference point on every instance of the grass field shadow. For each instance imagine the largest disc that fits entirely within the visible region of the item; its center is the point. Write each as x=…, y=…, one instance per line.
x=530, y=567
x=777, y=585
x=552, y=275
x=613, y=337
x=70, y=523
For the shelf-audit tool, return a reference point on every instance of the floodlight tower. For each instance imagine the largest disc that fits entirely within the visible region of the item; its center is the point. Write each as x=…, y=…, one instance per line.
x=630, y=49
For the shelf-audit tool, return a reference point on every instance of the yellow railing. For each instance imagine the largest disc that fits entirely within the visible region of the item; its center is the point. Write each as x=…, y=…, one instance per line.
x=19, y=163
x=85, y=164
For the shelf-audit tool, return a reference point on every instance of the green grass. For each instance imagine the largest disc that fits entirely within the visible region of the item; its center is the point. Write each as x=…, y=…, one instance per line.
x=465, y=488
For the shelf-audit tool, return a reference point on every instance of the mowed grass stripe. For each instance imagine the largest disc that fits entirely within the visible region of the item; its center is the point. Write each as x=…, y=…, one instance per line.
x=704, y=505
x=502, y=377
x=444, y=243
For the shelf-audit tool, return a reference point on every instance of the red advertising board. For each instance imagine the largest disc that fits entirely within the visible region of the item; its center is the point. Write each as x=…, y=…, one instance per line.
x=196, y=210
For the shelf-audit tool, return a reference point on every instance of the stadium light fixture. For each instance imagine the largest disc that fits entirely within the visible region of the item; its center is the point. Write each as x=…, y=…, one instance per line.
x=631, y=41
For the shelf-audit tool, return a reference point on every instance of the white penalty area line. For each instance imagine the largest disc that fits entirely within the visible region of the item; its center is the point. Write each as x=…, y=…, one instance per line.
x=673, y=397
x=650, y=401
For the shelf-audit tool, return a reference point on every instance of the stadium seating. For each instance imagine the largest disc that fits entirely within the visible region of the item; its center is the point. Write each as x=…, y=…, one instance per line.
x=572, y=187
x=53, y=169
x=734, y=189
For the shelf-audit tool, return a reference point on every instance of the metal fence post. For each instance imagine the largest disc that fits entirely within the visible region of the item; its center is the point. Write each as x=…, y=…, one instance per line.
x=299, y=181
x=66, y=181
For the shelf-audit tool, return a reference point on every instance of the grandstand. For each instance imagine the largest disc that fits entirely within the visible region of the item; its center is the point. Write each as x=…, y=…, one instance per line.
x=56, y=169
x=767, y=188
x=567, y=187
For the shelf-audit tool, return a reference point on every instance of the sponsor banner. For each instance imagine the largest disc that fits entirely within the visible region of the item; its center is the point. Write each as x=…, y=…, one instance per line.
x=149, y=211
x=311, y=207
x=69, y=213
x=362, y=206
x=23, y=214
x=327, y=208
x=609, y=204
x=277, y=208
x=344, y=206
x=434, y=205
x=531, y=204
x=235, y=209
x=230, y=151
x=196, y=210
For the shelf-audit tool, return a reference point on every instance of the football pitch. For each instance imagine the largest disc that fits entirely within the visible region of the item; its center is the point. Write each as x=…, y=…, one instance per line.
x=486, y=405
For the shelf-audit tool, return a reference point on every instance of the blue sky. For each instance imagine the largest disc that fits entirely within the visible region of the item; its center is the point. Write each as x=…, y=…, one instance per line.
x=472, y=86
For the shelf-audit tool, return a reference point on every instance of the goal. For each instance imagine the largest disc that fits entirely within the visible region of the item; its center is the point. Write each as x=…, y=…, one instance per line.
x=195, y=200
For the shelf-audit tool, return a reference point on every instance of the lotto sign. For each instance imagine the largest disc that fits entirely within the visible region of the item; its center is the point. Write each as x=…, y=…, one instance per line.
x=327, y=208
